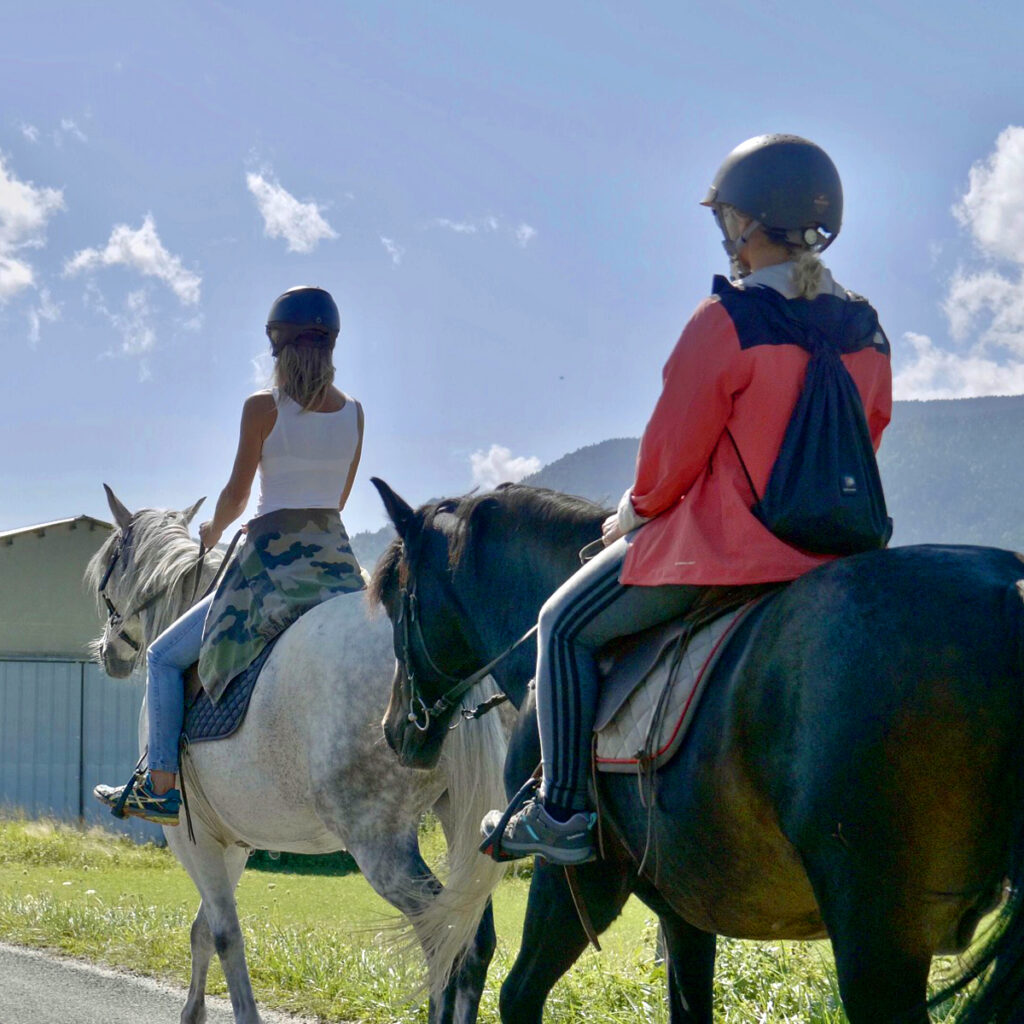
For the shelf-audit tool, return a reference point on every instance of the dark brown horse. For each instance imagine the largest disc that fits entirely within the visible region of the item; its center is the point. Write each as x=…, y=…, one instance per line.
x=854, y=771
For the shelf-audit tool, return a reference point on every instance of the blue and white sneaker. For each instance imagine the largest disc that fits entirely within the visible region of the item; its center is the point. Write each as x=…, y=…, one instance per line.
x=531, y=831
x=142, y=802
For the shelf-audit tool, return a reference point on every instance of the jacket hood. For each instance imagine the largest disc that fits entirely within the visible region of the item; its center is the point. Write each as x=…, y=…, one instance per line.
x=761, y=314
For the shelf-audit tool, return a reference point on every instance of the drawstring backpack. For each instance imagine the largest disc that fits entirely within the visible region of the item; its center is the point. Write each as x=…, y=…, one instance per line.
x=824, y=494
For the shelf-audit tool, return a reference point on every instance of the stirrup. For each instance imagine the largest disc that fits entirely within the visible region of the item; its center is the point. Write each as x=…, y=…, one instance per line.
x=138, y=774
x=491, y=846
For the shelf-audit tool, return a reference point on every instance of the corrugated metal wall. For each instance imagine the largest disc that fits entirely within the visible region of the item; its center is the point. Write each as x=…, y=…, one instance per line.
x=64, y=727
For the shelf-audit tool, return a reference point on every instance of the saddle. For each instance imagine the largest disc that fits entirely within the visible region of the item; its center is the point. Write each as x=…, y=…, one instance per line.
x=206, y=720
x=653, y=681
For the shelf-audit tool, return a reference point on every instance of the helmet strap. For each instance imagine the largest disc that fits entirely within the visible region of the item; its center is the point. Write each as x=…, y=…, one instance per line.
x=733, y=246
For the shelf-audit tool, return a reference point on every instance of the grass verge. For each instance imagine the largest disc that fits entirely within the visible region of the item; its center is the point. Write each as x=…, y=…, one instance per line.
x=315, y=942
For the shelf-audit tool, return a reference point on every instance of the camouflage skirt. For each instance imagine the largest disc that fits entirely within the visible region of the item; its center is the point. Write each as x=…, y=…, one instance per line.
x=290, y=560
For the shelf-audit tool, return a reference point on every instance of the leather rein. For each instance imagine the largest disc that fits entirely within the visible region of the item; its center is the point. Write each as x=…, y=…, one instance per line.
x=420, y=714
x=115, y=620
x=408, y=619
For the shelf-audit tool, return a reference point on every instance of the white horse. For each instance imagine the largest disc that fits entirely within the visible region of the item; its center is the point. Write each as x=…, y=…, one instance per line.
x=308, y=771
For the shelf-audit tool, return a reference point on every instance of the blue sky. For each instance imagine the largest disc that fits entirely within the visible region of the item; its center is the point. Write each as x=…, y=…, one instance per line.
x=502, y=198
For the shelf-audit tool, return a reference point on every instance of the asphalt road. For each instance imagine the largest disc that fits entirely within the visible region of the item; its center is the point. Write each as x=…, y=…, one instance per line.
x=37, y=988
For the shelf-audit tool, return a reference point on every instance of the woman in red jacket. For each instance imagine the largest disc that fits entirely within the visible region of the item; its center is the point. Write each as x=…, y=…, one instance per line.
x=686, y=523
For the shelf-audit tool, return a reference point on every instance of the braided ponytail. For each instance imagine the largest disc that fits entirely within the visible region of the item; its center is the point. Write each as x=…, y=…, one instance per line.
x=807, y=270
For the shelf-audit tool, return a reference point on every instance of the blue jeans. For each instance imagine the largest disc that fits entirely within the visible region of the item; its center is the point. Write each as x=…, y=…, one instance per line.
x=169, y=655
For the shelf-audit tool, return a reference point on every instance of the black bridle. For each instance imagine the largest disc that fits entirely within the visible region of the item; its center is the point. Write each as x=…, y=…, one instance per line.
x=420, y=714
x=408, y=620
x=115, y=620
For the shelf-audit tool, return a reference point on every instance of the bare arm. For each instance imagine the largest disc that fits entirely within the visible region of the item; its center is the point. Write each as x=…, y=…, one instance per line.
x=258, y=417
x=347, y=490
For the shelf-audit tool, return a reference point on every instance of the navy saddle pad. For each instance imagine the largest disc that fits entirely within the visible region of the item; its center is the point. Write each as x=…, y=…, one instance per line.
x=205, y=720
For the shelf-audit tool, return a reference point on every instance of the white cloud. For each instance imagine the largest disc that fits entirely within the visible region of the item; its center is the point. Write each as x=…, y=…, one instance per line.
x=31, y=132
x=14, y=276
x=939, y=373
x=142, y=251
x=133, y=323
x=466, y=227
x=47, y=310
x=989, y=305
x=24, y=213
x=394, y=250
x=984, y=301
x=525, y=234
x=300, y=224
x=499, y=466
x=68, y=128
x=993, y=205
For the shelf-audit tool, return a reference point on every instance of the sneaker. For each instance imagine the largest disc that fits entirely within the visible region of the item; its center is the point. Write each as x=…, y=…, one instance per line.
x=532, y=831
x=142, y=802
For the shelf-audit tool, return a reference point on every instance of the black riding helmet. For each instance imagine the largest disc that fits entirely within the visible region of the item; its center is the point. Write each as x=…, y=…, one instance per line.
x=303, y=315
x=787, y=184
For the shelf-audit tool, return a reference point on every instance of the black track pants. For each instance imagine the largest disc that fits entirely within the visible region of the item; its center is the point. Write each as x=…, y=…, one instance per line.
x=588, y=610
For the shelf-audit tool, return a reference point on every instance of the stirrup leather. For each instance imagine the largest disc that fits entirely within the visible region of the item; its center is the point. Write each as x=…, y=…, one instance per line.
x=138, y=774
x=491, y=846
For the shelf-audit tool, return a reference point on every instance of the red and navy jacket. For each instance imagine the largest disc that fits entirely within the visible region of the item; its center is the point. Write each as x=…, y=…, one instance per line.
x=740, y=367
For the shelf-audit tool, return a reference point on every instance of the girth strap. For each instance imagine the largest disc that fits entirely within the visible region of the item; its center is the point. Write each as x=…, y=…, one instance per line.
x=581, y=907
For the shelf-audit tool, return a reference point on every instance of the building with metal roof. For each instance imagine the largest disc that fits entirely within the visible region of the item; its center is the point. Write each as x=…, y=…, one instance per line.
x=64, y=724
x=44, y=609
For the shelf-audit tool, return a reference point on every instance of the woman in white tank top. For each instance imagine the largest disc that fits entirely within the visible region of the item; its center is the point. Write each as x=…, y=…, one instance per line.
x=305, y=438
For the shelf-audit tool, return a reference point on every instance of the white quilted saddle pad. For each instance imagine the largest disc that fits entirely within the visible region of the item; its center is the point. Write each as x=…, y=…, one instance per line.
x=648, y=727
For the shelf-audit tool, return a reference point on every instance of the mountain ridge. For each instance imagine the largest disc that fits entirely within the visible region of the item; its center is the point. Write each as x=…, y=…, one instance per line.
x=952, y=469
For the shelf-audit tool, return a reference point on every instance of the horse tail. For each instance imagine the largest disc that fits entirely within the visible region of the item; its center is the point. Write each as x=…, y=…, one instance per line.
x=998, y=997
x=474, y=757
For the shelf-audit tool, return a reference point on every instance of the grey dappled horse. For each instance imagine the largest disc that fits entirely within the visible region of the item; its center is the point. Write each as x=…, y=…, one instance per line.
x=308, y=771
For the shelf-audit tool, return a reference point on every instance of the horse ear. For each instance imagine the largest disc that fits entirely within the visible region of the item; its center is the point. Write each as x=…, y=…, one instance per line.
x=121, y=515
x=399, y=511
x=191, y=511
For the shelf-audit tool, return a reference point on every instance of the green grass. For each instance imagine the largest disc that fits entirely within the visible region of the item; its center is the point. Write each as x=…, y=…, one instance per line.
x=315, y=941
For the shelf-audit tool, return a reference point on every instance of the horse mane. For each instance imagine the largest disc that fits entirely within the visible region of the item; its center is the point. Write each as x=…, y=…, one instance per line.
x=541, y=512
x=163, y=557
x=553, y=518
x=385, y=573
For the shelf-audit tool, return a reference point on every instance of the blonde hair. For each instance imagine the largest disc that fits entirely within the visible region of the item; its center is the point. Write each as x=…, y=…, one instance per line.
x=807, y=267
x=304, y=373
x=807, y=270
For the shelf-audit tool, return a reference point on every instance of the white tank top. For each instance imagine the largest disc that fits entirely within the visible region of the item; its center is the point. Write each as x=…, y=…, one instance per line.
x=307, y=456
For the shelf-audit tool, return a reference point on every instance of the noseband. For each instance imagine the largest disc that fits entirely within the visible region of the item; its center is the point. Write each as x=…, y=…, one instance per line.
x=420, y=714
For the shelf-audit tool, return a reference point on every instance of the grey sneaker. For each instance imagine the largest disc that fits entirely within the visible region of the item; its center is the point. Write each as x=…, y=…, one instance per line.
x=532, y=831
x=142, y=802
